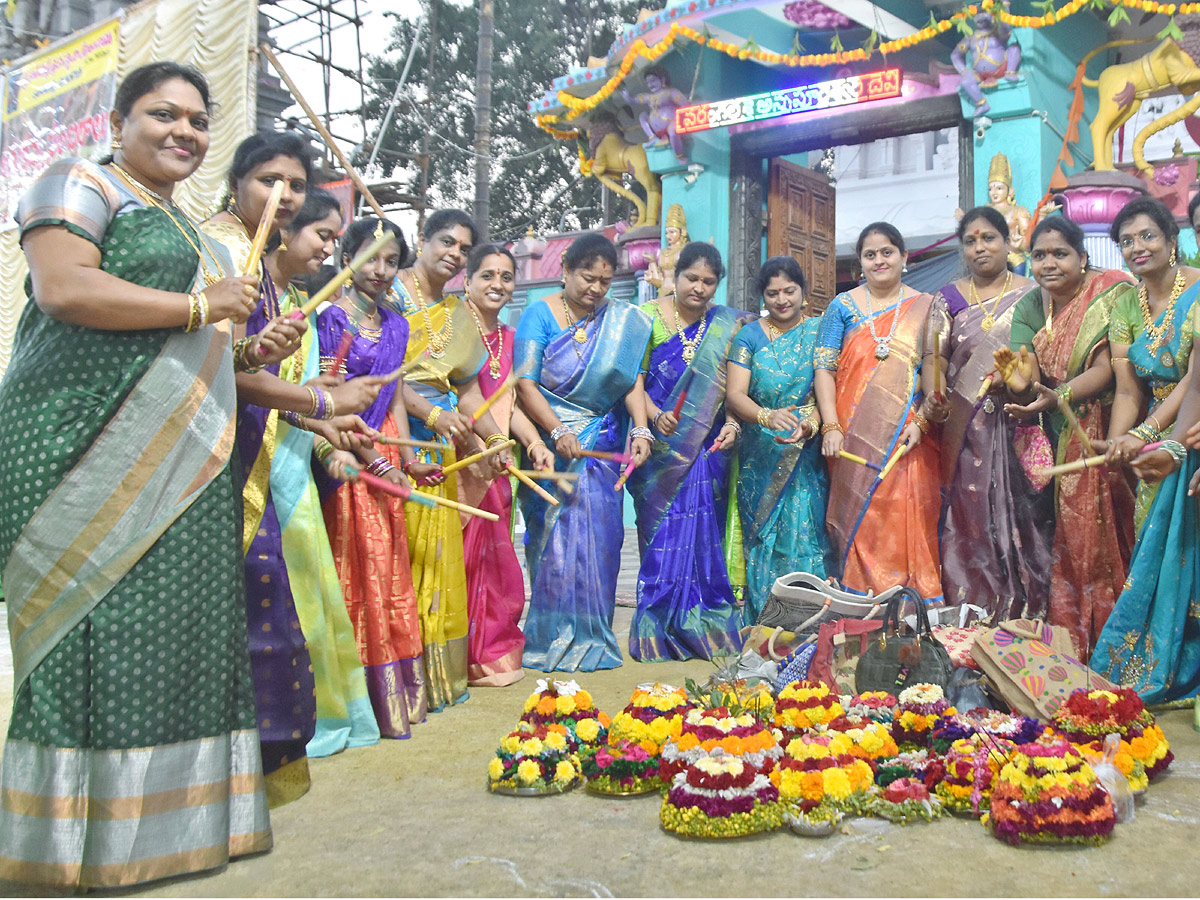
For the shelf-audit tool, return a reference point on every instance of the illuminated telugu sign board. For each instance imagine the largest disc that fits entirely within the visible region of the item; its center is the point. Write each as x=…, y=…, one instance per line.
x=808, y=98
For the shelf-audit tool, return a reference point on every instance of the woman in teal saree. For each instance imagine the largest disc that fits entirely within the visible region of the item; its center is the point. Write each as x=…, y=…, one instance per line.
x=132, y=752
x=783, y=484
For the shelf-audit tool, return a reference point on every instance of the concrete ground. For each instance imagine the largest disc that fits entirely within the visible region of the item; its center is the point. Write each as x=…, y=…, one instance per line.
x=414, y=818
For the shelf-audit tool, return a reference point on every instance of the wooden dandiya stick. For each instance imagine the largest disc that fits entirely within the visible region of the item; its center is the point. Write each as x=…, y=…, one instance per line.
x=1150, y=448
x=454, y=504
x=1069, y=414
x=899, y=452
x=343, y=351
x=264, y=229
x=679, y=403
x=1075, y=466
x=382, y=484
x=483, y=454
x=323, y=131
x=629, y=465
x=549, y=475
x=855, y=458
x=621, y=458
x=985, y=386
x=532, y=485
x=937, y=362
x=487, y=404
x=343, y=276
x=408, y=442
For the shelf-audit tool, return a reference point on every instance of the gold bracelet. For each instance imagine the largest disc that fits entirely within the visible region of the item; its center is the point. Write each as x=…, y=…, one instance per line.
x=313, y=400
x=922, y=422
x=323, y=449
x=193, y=321
x=497, y=438
x=538, y=443
x=431, y=419
x=831, y=426
x=764, y=417
x=1154, y=421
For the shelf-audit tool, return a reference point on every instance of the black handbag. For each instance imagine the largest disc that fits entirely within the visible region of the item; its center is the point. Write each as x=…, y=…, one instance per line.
x=893, y=661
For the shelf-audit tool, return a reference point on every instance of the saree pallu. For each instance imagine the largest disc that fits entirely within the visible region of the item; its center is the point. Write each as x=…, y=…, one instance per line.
x=685, y=602
x=783, y=489
x=370, y=546
x=1158, y=366
x=284, y=687
x=885, y=532
x=435, y=535
x=573, y=551
x=343, y=706
x=132, y=753
x=495, y=583
x=1093, y=533
x=1151, y=641
x=997, y=527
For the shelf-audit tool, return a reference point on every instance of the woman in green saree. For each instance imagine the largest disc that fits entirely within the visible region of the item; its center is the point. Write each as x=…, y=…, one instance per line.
x=132, y=752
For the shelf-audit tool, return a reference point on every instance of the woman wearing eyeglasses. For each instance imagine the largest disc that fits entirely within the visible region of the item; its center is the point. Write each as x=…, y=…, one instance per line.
x=1150, y=337
x=1059, y=353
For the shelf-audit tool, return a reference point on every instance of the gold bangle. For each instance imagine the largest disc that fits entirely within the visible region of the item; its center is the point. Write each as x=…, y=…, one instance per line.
x=538, y=443
x=1117, y=359
x=831, y=426
x=497, y=438
x=764, y=417
x=1154, y=421
x=431, y=419
x=313, y=402
x=922, y=422
x=193, y=321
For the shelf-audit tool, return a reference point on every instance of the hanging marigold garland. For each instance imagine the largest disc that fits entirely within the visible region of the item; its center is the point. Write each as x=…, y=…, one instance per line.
x=639, y=49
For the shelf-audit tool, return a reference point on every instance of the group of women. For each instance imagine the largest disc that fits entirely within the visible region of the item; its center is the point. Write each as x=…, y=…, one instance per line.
x=204, y=591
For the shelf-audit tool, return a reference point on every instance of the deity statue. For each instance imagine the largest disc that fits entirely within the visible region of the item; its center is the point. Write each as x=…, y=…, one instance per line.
x=985, y=56
x=661, y=271
x=659, y=120
x=1001, y=198
x=613, y=156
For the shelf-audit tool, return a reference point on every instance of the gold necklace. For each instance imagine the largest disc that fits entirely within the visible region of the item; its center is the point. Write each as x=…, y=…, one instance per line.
x=493, y=361
x=689, y=346
x=371, y=334
x=1166, y=331
x=150, y=198
x=581, y=335
x=439, y=341
x=1050, y=307
x=989, y=315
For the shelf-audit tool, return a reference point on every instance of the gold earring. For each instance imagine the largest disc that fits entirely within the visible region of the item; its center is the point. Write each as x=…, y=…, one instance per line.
x=116, y=144
x=282, y=243
x=1171, y=261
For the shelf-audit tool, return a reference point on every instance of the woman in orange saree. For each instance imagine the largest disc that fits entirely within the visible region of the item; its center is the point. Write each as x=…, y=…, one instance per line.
x=1065, y=324
x=883, y=514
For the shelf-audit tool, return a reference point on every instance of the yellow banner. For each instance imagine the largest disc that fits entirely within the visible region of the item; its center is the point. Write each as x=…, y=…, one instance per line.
x=74, y=66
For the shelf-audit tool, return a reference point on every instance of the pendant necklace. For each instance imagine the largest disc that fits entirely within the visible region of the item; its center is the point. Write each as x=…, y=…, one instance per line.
x=882, y=350
x=493, y=361
x=581, y=335
x=989, y=316
x=689, y=346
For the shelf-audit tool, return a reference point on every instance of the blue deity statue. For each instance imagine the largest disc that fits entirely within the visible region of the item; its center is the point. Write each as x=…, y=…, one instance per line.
x=985, y=56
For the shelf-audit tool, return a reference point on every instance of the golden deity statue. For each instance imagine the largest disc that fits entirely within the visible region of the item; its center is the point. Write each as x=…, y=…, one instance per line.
x=661, y=273
x=1001, y=198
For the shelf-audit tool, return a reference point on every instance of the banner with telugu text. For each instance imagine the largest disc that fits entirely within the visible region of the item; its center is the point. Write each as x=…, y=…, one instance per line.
x=56, y=104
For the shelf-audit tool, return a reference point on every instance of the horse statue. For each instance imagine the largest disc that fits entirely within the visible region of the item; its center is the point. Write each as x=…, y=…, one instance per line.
x=612, y=155
x=1171, y=66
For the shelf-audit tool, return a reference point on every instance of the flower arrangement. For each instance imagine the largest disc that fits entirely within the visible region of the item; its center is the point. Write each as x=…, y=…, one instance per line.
x=871, y=740
x=1047, y=793
x=906, y=800
x=623, y=768
x=1089, y=716
x=879, y=706
x=820, y=821
x=721, y=796
x=968, y=772
x=990, y=722
x=911, y=764
x=920, y=706
x=535, y=759
x=1123, y=759
x=706, y=731
x=566, y=703
x=805, y=704
x=654, y=716
x=819, y=768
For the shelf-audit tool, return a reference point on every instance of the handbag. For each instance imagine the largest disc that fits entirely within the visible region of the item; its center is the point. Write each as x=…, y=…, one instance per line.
x=893, y=661
x=1034, y=452
x=838, y=652
x=959, y=639
x=801, y=602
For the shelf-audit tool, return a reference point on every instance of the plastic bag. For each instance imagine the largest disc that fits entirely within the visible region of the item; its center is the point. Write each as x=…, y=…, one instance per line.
x=1112, y=780
x=965, y=690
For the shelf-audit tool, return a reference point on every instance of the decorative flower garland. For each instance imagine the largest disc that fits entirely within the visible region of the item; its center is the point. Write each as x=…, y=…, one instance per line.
x=1047, y=794
x=639, y=49
x=1088, y=716
x=539, y=758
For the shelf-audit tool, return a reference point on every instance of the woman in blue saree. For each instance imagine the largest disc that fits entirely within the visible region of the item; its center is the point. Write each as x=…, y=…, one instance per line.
x=579, y=358
x=783, y=484
x=1151, y=641
x=685, y=602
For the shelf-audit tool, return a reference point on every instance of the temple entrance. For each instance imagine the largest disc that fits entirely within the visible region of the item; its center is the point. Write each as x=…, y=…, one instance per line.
x=801, y=224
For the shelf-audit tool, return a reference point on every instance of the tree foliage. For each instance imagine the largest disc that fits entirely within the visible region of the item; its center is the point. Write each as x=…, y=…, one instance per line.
x=535, y=178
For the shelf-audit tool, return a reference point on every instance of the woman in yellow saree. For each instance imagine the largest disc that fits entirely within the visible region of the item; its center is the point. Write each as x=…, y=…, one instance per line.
x=441, y=392
x=883, y=515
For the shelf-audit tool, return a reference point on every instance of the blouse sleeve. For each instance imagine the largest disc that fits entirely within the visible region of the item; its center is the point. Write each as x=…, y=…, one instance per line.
x=1126, y=323
x=1028, y=319
x=331, y=324
x=745, y=345
x=533, y=337
x=830, y=335
x=73, y=193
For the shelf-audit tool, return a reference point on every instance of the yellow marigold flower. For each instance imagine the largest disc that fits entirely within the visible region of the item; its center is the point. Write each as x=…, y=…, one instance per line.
x=583, y=700
x=528, y=771
x=532, y=747
x=510, y=744
x=495, y=769
x=564, y=705
x=587, y=730
x=556, y=742
x=836, y=784
x=531, y=703
x=564, y=772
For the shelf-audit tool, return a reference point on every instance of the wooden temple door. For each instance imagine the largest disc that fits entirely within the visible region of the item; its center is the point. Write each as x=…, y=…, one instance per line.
x=800, y=223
